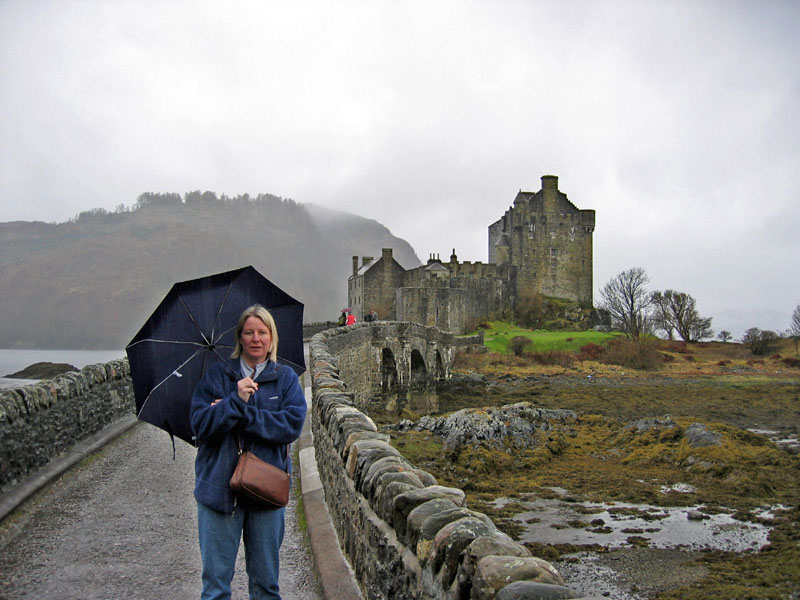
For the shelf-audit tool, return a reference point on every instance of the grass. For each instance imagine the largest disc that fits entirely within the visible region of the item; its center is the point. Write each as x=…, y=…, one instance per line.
x=497, y=334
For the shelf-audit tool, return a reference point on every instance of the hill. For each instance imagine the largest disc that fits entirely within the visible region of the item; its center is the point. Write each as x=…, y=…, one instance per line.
x=91, y=282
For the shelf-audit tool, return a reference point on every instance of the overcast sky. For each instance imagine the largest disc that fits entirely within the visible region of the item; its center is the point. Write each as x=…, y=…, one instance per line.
x=677, y=121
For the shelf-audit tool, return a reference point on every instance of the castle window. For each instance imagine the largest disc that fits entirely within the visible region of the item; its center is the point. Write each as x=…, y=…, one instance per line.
x=553, y=252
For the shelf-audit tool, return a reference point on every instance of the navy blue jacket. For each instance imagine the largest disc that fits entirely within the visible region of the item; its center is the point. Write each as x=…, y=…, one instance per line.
x=271, y=419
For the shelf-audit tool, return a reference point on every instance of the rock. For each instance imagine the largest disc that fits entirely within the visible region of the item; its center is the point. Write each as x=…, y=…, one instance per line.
x=643, y=425
x=695, y=515
x=698, y=436
x=496, y=426
x=42, y=370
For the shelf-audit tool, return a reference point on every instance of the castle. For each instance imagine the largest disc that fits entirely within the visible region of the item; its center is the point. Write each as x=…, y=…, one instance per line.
x=541, y=245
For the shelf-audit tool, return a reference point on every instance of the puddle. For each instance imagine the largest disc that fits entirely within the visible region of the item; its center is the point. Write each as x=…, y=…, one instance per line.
x=553, y=521
x=789, y=442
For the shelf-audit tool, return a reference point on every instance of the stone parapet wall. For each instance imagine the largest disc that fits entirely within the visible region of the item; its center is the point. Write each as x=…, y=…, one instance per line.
x=405, y=535
x=41, y=421
x=312, y=329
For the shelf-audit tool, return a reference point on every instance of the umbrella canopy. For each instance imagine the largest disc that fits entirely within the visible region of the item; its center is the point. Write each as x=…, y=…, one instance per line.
x=194, y=327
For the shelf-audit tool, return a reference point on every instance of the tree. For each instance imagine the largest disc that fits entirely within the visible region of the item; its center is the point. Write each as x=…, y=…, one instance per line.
x=758, y=340
x=794, y=328
x=724, y=335
x=627, y=300
x=677, y=311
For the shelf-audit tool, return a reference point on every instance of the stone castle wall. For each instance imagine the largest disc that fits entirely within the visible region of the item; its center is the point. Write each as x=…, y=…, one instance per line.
x=541, y=245
x=41, y=421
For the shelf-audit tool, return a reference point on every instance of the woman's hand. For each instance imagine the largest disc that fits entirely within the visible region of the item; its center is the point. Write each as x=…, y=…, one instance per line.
x=245, y=388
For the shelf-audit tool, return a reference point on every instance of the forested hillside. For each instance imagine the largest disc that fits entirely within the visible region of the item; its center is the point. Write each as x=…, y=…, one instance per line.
x=91, y=282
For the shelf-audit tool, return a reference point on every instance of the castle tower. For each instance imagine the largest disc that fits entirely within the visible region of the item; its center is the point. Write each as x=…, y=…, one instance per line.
x=549, y=240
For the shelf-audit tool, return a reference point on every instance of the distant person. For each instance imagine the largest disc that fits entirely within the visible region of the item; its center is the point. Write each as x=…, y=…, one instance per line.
x=368, y=317
x=342, y=319
x=252, y=399
x=373, y=316
x=351, y=319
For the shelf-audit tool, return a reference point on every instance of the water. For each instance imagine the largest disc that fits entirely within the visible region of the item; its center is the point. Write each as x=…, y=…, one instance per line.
x=552, y=521
x=12, y=360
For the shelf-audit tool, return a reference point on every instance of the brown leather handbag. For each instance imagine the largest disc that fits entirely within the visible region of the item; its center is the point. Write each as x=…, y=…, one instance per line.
x=260, y=482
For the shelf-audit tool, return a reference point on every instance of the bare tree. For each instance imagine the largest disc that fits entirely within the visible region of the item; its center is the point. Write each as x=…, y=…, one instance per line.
x=794, y=328
x=677, y=311
x=627, y=300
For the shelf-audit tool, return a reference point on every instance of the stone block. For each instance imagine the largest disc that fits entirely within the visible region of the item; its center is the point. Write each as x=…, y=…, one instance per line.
x=531, y=590
x=384, y=499
x=357, y=436
x=416, y=519
x=488, y=545
x=387, y=464
x=451, y=540
x=407, y=502
x=493, y=573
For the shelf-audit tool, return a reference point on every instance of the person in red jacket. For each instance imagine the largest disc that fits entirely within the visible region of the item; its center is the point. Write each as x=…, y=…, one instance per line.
x=351, y=318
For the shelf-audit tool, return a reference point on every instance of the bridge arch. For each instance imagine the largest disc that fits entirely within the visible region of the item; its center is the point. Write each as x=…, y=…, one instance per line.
x=419, y=371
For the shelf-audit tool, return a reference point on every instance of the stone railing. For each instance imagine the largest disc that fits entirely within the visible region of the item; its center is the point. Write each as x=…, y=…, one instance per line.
x=405, y=535
x=39, y=422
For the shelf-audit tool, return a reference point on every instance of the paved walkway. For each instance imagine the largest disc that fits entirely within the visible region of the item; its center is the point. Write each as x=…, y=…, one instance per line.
x=122, y=524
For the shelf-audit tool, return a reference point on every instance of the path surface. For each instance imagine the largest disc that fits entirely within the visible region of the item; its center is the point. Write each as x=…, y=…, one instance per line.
x=123, y=525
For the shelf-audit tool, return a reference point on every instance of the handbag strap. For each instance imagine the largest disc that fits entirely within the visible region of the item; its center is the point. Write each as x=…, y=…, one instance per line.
x=239, y=438
x=241, y=450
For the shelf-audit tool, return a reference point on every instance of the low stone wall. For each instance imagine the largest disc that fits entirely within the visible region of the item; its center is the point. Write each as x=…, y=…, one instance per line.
x=38, y=422
x=405, y=535
x=312, y=329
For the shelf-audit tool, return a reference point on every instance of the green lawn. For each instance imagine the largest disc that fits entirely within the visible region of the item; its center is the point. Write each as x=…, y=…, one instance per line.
x=498, y=334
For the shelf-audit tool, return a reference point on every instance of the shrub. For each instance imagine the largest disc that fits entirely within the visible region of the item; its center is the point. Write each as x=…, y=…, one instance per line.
x=759, y=341
x=590, y=351
x=679, y=347
x=791, y=362
x=628, y=353
x=553, y=357
x=518, y=344
x=722, y=363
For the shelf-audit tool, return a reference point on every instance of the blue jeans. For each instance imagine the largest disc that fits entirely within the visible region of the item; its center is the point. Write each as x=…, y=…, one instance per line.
x=219, y=544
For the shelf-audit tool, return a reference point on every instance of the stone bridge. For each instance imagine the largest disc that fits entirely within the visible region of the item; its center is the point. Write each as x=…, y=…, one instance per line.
x=393, y=356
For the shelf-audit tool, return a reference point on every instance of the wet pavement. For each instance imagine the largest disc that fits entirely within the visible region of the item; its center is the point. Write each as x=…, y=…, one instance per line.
x=122, y=524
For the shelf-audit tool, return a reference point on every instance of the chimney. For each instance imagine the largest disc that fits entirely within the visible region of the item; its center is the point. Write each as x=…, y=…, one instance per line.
x=550, y=182
x=355, y=265
x=550, y=193
x=386, y=254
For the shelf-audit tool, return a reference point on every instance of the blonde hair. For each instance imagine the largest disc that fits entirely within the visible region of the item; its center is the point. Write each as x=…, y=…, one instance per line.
x=261, y=313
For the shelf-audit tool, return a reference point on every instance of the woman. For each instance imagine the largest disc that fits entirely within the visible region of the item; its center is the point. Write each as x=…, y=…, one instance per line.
x=253, y=399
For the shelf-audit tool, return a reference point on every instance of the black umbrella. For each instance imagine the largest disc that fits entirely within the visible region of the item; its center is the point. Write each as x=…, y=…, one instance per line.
x=195, y=327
